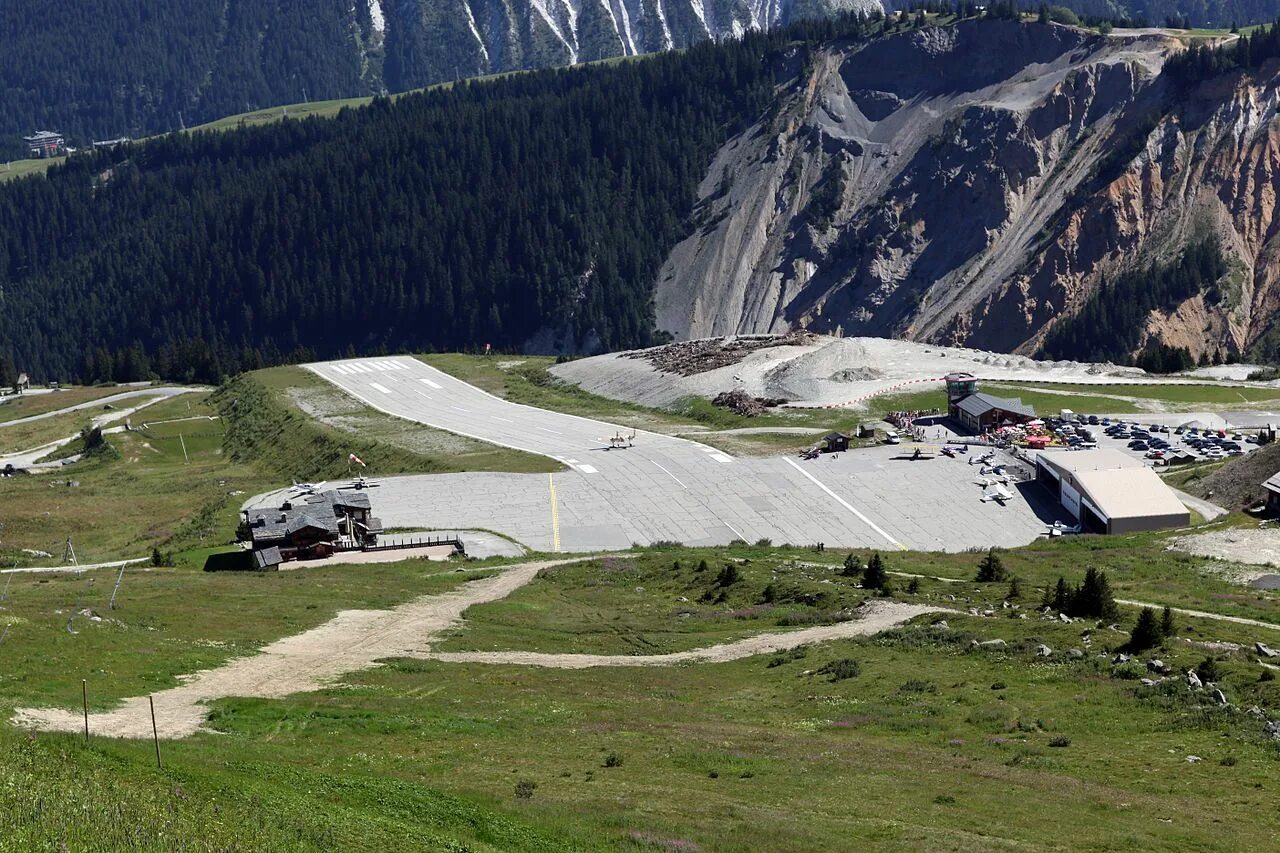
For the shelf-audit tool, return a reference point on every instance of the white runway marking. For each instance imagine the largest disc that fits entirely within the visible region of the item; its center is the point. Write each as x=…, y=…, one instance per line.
x=501, y=420
x=844, y=503
x=672, y=476
x=588, y=469
x=460, y=409
x=338, y=368
x=544, y=429
x=375, y=386
x=431, y=384
x=720, y=457
x=422, y=393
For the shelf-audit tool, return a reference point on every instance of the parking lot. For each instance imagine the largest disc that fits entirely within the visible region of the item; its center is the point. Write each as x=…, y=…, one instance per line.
x=1156, y=439
x=661, y=488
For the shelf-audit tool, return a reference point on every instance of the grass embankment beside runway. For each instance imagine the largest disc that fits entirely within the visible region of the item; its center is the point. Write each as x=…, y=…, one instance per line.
x=759, y=753
x=295, y=425
x=1173, y=393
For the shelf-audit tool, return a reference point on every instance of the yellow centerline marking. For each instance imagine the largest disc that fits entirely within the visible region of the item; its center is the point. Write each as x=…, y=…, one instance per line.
x=555, y=514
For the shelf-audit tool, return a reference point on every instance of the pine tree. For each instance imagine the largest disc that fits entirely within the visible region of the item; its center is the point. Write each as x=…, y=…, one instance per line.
x=874, y=577
x=1061, y=596
x=852, y=567
x=1168, y=628
x=1146, y=632
x=1015, y=589
x=991, y=569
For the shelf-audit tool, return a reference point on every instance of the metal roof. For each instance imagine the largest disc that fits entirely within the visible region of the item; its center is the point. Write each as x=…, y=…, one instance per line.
x=1272, y=483
x=1118, y=485
x=980, y=403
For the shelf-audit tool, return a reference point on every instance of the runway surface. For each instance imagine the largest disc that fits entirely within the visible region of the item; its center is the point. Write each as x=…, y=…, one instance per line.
x=669, y=489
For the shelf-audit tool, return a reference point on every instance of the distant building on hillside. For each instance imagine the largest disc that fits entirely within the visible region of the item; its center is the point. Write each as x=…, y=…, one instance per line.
x=45, y=143
x=111, y=143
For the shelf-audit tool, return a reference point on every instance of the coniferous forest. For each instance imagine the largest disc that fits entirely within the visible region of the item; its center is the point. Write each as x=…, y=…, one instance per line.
x=531, y=211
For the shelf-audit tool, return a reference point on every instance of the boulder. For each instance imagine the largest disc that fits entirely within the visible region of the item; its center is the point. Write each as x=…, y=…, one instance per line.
x=1193, y=680
x=988, y=644
x=1075, y=653
x=1264, y=650
x=1192, y=759
x=1064, y=618
x=1156, y=666
x=1043, y=651
x=942, y=625
x=1219, y=696
x=1121, y=658
x=1148, y=682
x=1272, y=728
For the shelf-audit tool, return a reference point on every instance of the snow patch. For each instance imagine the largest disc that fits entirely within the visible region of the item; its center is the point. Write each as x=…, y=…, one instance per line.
x=667, y=41
x=375, y=15
x=475, y=31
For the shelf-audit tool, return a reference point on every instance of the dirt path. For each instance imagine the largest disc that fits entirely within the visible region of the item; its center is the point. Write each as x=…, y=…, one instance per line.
x=357, y=639
x=351, y=641
x=874, y=618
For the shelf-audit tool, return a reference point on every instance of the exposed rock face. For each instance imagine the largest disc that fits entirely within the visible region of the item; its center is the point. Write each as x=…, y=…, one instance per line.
x=971, y=185
x=446, y=39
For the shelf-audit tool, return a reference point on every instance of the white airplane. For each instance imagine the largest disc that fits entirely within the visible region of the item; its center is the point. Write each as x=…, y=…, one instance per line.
x=983, y=459
x=987, y=482
x=1059, y=529
x=997, y=493
x=358, y=483
x=307, y=488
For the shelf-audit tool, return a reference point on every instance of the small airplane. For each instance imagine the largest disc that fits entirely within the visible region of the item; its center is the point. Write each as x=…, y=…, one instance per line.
x=1060, y=529
x=981, y=460
x=307, y=488
x=997, y=493
x=358, y=483
x=988, y=482
x=618, y=441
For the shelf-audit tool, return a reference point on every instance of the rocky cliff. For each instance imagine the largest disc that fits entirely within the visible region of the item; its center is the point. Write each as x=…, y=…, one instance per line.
x=972, y=185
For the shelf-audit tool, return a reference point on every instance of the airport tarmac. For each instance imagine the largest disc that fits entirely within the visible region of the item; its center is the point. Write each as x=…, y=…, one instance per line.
x=663, y=488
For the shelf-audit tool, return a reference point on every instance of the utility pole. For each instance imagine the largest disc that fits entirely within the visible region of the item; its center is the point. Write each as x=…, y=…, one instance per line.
x=69, y=553
x=119, y=578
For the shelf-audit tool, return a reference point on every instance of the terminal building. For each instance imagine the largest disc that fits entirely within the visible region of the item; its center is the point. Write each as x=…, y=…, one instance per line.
x=311, y=526
x=45, y=143
x=978, y=412
x=1110, y=492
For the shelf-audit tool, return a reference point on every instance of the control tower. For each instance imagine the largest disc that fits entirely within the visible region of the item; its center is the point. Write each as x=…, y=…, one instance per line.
x=959, y=386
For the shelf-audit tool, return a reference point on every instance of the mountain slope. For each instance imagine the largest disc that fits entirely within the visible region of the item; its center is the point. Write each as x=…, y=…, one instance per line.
x=973, y=185
x=100, y=69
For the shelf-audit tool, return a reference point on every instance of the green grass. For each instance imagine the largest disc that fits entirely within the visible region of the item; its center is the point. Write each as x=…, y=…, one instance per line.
x=652, y=603
x=1045, y=402
x=270, y=428
x=26, y=405
x=1218, y=395
x=152, y=495
x=21, y=168
x=761, y=753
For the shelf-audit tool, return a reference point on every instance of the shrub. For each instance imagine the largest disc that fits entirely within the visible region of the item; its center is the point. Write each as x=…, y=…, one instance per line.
x=1146, y=632
x=788, y=656
x=842, y=669
x=999, y=685
x=916, y=685
x=1208, y=670
x=769, y=595
x=613, y=760
x=525, y=788
x=764, y=542
x=702, y=566
x=852, y=567
x=1015, y=589
x=991, y=569
x=1168, y=628
x=1267, y=675
x=874, y=576
x=1228, y=761
x=728, y=576
x=1060, y=741
x=913, y=587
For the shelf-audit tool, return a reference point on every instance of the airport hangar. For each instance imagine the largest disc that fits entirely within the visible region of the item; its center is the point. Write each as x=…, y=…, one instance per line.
x=1110, y=492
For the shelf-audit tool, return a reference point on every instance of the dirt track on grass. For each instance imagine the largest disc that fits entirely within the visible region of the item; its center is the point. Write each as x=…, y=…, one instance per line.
x=351, y=641
x=357, y=639
x=872, y=619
